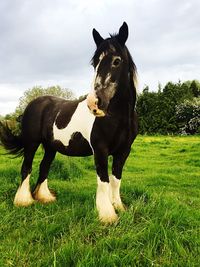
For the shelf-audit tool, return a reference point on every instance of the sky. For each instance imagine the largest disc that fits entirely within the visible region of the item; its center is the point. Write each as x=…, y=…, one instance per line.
x=49, y=42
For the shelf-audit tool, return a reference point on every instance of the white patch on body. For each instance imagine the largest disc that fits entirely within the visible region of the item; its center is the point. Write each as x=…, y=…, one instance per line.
x=23, y=196
x=104, y=206
x=43, y=194
x=115, y=193
x=82, y=121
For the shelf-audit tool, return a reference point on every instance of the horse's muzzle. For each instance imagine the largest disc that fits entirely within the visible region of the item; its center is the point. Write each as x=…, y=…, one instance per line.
x=92, y=102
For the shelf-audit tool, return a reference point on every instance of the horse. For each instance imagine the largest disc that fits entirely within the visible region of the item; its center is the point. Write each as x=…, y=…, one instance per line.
x=102, y=124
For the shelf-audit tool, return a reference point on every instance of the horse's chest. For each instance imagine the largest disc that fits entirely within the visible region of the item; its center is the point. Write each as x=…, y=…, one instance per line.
x=81, y=122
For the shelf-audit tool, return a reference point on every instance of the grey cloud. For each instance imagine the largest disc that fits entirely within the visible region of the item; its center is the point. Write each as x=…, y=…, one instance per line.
x=42, y=42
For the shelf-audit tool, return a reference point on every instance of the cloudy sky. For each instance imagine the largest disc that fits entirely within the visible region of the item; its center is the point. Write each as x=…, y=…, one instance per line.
x=49, y=42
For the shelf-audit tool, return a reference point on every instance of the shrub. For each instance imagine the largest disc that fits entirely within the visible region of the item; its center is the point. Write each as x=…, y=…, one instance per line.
x=188, y=116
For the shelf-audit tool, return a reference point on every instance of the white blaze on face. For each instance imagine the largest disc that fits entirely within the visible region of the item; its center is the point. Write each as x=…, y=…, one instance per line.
x=100, y=59
x=104, y=206
x=23, y=196
x=92, y=100
x=109, y=86
x=82, y=121
x=97, y=78
x=107, y=80
x=98, y=81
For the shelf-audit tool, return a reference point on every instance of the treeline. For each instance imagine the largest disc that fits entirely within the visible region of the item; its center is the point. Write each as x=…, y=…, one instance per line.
x=171, y=110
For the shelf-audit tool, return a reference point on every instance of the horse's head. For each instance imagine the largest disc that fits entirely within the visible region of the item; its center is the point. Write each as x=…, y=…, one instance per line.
x=111, y=64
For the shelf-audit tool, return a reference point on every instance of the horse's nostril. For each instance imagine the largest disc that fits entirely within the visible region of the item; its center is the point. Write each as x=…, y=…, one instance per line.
x=94, y=111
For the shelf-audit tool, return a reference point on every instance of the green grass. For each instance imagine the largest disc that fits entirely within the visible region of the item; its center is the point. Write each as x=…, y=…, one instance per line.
x=161, y=226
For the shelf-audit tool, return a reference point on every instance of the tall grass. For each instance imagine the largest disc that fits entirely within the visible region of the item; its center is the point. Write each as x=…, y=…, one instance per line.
x=161, y=226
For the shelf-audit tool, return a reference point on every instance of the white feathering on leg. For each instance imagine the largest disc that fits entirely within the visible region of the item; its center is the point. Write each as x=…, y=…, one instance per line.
x=23, y=197
x=104, y=206
x=43, y=194
x=115, y=193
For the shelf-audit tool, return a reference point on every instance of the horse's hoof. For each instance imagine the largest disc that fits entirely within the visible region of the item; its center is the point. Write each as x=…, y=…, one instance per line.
x=23, y=202
x=109, y=219
x=43, y=194
x=119, y=207
x=48, y=198
x=23, y=197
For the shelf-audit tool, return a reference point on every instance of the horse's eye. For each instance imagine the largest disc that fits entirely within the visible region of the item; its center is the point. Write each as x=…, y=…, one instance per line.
x=116, y=62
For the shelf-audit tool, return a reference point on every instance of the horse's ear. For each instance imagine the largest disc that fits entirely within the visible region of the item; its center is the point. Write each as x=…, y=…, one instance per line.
x=97, y=37
x=123, y=34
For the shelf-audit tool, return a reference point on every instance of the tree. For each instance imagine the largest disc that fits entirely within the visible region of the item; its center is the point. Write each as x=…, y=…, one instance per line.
x=148, y=111
x=157, y=110
x=195, y=88
x=188, y=116
x=14, y=119
x=37, y=91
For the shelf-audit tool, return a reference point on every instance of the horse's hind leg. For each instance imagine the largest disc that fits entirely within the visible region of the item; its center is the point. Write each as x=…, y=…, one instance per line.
x=42, y=192
x=23, y=196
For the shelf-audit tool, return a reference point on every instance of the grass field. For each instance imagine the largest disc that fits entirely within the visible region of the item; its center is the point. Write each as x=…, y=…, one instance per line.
x=161, y=226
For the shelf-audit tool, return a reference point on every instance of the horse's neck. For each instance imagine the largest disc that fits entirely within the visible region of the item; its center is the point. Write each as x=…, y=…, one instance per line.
x=123, y=103
x=127, y=94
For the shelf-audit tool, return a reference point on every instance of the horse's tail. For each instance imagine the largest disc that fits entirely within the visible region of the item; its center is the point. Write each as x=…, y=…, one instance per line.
x=11, y=142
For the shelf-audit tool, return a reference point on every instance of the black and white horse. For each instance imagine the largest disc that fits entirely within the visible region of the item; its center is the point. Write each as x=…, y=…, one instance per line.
x=104, y=123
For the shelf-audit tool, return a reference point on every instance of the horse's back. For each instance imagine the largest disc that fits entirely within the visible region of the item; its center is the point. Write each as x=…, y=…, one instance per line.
x=39, y=116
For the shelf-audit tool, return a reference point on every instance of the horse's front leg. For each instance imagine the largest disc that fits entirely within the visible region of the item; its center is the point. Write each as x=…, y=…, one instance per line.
x=115, y=179
x=103, y=202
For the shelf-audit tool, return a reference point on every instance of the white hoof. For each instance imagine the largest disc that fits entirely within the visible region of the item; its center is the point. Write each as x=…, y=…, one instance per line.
x=43, y=194
x=23, y=196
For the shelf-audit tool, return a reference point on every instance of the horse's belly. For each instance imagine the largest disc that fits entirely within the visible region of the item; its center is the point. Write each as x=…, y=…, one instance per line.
x=74, y=139
x=78, y=146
